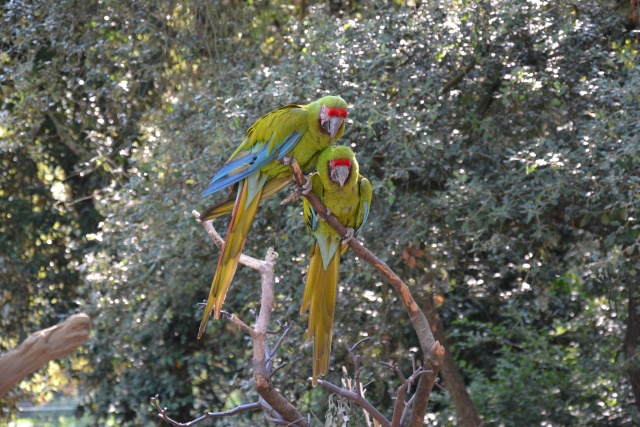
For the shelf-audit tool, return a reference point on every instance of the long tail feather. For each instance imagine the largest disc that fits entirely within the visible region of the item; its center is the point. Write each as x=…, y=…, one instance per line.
x=239, y=227
x=320, y=296
x=226, y=206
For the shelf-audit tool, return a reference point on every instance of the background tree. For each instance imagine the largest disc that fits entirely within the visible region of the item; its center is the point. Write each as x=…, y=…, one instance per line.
x=500, y=139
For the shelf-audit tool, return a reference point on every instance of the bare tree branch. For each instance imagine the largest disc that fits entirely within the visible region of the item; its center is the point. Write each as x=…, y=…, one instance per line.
x=162, y=413
x=467, y=411
x=398, y=409
x=357, y=398
x=261, y=375
x=213, y=234
x=276, y=347
x=277, y=409
x=239, y=323
x=433, y=352
x=407, y=409
x=356, y=364
x=41, y=347
x=68, y=139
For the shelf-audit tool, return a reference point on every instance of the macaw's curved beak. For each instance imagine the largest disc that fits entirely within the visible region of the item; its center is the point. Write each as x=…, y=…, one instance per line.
x=340, y=174
x=334, y=125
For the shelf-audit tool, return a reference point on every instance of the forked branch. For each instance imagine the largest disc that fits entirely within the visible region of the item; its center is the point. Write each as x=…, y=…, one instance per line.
x=277, y=409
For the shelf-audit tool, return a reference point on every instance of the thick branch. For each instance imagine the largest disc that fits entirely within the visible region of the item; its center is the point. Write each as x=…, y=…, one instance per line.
x=433, y=351
x=458, y=77
x=469, y=415
x=68, y=139
x=265, y=388
x=41, y=347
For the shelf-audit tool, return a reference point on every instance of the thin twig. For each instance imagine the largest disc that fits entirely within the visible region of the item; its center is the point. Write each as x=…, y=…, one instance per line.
x=356, y=376
x=162, y=413
x=357, y=367
x=277, y=368
x=398, y=408
x=280, y=341
x=353, y=347
x=406, y=410
x=282, y=328
x=239, y=323
x=352, y=396
x=437, y=384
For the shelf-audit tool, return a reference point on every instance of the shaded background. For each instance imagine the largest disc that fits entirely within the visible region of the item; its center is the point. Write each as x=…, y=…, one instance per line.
x=500, y=138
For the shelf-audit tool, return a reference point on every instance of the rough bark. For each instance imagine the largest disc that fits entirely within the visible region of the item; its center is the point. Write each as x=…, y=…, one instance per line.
x=41, y=347
x=453, y=381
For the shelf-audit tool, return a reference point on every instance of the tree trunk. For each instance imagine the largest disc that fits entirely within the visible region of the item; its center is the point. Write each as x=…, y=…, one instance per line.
x=41, y=347
x=631, y=342
x=469, y=416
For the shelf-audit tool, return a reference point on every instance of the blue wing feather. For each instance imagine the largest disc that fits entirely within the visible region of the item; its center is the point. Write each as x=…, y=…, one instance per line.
x=240, y=167
x=288, y=144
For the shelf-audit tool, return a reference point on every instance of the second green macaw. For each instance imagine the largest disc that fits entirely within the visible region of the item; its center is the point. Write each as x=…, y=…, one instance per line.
x=255, y=171
x=347, y=195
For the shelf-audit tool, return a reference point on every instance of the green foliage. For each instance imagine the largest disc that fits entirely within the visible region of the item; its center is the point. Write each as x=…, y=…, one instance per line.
x=499, y=137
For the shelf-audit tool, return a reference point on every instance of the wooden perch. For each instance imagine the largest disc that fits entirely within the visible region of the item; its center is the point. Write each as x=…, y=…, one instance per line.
x=41, y=347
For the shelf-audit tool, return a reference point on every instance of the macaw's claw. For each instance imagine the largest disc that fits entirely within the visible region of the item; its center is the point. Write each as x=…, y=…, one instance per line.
x=348, y=235
x=298, y=191
x=306, y=187
x=322, y=218
x=286, y=160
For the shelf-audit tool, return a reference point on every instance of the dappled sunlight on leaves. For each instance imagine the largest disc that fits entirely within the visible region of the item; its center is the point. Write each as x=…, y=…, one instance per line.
x=500, y=139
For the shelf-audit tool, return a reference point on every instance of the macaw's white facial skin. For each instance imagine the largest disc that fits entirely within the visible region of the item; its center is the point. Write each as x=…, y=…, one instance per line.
x=331, y=119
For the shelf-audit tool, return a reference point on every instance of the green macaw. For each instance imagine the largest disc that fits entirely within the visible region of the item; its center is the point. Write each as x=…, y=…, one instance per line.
x=347, y=195
x=255, y=171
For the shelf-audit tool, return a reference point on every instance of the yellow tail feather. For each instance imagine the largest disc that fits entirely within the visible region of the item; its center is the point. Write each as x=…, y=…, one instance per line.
x=320, y=296
x=228, y=262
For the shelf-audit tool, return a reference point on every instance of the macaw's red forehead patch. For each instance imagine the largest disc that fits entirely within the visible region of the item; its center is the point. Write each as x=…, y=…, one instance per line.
x=341, y=162
x=337, y=112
